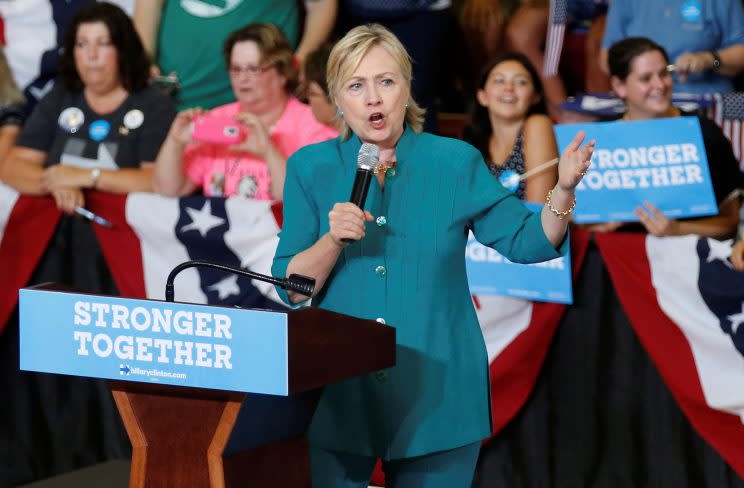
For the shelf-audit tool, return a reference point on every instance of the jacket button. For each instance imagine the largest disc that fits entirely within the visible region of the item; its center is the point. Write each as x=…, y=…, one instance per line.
x=390, y=172
x=380, y=320
x=380, y=271
x=381, y=220
x=381, y=376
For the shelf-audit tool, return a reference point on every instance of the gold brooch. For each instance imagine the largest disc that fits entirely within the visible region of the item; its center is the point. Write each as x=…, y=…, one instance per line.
x=384, y=166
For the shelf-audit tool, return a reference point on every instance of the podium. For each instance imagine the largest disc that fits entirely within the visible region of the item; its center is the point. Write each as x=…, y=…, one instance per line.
x=179, y=374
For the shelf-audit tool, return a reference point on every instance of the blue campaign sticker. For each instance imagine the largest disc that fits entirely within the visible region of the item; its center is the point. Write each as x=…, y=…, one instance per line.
x=490, y=273
x=692, y=11
x=662, y=161
x=510, y=179
x=99, y=129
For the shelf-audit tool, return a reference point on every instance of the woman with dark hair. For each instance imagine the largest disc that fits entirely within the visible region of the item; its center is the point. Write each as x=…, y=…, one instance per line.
x=101, y=125
x=510, y=127
x=263, y=76
x=640, y=76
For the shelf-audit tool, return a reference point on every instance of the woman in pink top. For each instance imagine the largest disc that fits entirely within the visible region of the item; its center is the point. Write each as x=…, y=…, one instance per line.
x=263, y=76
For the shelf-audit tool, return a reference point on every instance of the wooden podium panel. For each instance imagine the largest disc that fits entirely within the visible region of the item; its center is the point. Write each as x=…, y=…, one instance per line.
x=178, y=434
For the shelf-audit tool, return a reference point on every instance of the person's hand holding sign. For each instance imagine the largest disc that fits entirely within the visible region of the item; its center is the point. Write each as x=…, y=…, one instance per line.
x=655, y=222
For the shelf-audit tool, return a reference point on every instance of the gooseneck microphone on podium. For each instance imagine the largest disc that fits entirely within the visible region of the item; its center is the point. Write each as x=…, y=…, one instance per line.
x=368, y=160
x=295, y=282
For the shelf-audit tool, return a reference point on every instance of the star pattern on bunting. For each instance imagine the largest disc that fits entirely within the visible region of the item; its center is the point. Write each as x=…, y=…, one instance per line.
x=202, y=220
x=720, y=250
x=226, y=287
x=736, y=319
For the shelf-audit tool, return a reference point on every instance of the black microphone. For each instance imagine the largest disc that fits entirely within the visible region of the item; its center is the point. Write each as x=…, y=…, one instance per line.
x=367, y=161
x=299, y=283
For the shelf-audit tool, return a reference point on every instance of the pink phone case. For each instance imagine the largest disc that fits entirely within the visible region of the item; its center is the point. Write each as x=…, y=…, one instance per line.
x=218, y=130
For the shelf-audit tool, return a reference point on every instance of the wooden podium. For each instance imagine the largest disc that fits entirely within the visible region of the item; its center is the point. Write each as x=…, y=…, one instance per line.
x=179, y=433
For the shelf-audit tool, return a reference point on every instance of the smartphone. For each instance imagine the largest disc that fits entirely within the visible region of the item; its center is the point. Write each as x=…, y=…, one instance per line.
x=218, y=130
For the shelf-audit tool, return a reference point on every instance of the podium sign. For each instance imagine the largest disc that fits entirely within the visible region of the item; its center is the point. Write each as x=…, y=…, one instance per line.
x=154, y=342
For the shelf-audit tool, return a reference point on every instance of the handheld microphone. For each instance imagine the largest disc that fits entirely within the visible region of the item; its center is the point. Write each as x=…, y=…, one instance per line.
x=367, y=161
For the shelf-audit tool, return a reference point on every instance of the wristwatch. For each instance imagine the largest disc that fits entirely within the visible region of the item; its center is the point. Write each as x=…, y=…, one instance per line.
x=716, y=61
x=95, y=174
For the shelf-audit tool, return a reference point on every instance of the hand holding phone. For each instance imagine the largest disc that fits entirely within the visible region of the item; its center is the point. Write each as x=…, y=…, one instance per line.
x=218, y=130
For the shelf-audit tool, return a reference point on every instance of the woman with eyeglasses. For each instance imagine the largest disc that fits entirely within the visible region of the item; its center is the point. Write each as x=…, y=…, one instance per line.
x=274, y=125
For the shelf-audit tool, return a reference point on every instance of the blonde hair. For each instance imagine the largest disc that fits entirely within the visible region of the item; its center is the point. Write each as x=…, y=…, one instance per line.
x=9, y=92
x=348, y=53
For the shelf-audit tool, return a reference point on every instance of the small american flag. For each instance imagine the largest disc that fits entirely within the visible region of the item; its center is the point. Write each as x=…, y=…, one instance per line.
x=557, y=20
x=728, y=113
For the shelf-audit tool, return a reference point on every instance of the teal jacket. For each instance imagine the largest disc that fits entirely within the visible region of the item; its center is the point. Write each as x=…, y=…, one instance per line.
x=409, y=270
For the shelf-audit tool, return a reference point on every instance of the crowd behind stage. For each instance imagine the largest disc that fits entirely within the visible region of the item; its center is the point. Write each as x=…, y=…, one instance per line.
x=185, y=98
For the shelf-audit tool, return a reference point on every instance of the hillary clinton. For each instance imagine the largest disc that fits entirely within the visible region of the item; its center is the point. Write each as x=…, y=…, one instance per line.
x=405, y=266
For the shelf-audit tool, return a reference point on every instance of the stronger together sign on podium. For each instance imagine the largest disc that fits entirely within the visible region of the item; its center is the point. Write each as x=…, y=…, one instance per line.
x=155, y=342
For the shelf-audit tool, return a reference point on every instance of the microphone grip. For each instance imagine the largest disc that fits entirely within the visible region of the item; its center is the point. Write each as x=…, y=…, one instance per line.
x=360, y=189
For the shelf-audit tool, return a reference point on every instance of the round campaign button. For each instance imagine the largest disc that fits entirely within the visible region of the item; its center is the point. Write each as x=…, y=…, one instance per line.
x=510, y=179
x=133, y=119
x=71, y=119
x=692, y=11
x=99, y=129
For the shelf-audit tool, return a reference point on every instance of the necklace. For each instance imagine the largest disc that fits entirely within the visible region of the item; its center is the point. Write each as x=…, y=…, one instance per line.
x=384, y=166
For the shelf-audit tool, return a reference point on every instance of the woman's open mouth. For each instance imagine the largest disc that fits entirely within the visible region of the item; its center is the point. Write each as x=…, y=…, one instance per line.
x=377, y=120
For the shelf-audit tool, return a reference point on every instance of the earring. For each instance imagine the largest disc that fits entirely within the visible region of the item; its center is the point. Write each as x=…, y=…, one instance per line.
x=408, y=104
x=340, y=113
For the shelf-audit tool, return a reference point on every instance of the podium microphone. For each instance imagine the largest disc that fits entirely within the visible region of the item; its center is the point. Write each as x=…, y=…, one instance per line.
x=298, y=283
x=368, y=160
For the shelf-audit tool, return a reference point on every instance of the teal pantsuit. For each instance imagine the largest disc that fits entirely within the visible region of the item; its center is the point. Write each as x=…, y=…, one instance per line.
x=453, y=468
x=408, y=271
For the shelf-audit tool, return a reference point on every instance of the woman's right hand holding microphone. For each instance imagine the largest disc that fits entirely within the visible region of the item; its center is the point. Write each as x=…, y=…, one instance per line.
x=346, y=221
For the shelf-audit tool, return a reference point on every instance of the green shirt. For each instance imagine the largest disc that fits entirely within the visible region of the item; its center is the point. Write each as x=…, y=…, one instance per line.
x=191, y=38
x=409, y=270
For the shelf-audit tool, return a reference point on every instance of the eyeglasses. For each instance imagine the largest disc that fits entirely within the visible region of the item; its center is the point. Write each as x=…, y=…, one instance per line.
x=252, y=71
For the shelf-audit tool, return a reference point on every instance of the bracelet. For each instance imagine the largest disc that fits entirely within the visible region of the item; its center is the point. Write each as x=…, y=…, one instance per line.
x=95, y=174
x=558, y=213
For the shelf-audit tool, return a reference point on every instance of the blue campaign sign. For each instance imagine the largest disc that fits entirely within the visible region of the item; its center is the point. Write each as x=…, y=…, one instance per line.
x=153, y=342
x=490, y=273
x=662, y=161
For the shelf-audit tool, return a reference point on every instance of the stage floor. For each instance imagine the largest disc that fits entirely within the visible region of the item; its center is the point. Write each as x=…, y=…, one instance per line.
x=112, y=474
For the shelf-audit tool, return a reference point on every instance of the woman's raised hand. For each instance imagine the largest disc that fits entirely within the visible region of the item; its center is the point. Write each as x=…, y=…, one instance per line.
x=182, y=127
x=346, y=221
x=257, y=141
x=574, y=162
